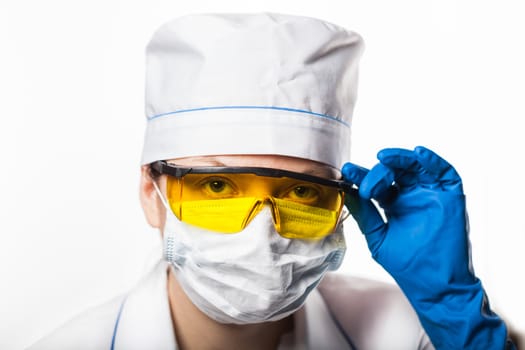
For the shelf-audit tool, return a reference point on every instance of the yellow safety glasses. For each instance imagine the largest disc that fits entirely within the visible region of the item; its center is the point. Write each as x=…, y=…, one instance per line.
x=226, y=199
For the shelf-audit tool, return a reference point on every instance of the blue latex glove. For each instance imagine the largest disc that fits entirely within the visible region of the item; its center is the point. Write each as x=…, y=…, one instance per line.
x=424, y=244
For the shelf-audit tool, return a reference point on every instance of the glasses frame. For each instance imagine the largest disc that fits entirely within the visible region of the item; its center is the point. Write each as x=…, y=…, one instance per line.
x=163, y=167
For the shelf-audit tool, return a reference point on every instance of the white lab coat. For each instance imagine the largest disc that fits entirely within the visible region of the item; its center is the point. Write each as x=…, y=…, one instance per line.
x=343, y=313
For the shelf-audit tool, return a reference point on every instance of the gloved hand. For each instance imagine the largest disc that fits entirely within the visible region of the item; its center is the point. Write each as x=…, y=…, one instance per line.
x=424, y=244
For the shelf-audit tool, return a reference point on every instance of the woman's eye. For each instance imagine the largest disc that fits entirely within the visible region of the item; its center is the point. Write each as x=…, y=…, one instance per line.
x=303, y=193
x=216, y=188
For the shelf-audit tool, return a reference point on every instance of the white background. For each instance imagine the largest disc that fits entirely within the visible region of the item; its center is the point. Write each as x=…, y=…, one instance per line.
x=445, y=74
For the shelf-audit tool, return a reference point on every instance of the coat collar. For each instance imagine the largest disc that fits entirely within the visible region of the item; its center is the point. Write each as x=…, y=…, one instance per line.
x=145, y=318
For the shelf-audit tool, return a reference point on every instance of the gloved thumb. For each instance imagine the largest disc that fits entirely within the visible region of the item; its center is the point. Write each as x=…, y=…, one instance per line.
x=363, y=210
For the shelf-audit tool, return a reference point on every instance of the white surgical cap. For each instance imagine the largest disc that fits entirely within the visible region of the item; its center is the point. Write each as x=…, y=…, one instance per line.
x=263, y=83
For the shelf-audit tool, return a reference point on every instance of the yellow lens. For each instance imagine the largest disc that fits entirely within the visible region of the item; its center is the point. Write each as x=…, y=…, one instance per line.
x=222, y=215
x=227, y=202
x=297, y=220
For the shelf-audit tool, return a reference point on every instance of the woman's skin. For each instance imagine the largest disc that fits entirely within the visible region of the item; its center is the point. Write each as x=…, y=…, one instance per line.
x=193, y=328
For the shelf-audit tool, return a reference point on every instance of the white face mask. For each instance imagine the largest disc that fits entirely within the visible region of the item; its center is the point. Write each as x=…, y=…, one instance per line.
x=251, y=276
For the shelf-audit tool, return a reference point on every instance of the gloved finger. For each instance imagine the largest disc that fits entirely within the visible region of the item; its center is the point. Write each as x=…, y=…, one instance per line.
x=421, y=166
x=353, y=173
x=378, y=183
x=442, y=170
x=368, y=219
x=399, y=158
x=403, y=162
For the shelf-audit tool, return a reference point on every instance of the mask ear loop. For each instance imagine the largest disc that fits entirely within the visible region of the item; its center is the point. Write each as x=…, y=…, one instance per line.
x=159, y=193
x=168, y=236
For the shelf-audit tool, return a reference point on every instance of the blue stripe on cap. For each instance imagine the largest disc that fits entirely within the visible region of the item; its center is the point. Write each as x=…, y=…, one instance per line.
x=251, y=107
